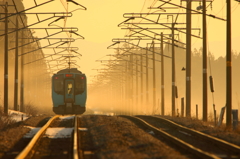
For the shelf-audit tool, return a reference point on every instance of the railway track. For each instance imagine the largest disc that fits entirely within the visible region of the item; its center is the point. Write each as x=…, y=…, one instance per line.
x=32, y=148
x=197, y=143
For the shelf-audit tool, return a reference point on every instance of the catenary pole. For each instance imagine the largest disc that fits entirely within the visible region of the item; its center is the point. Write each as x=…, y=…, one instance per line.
x=173, y=73
x=22, y=75
x=5, y=85
x=137, y=109
x=147, y=95
x=16, y=69
x=229, y=68
x=162, y=77
x=204, y=52
x=154, y=78
x=188, y=58
x=132, y=82
x=141, y=82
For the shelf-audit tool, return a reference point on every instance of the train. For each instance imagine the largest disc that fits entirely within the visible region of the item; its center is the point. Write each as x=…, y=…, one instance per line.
x=69, y=92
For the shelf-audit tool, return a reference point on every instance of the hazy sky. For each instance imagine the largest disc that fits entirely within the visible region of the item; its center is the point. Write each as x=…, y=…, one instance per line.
x=98, y=24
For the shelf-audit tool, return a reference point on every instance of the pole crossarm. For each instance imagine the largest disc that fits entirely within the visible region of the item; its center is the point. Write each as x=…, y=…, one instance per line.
x=23, y=11
x=115, y=40
x=120, y=71
x=60, y=60
x=65, y=29
x=137, y=63
x=58, y=53
x=156, y=34
x=68, y=48
x=107, y=69
x=109, y=60
x=61, y=39
x=64, y=40
x=153, y=38
x=43, y=20
x=163, y=24
x=161, y=29
x=38, y=39
x=58, y=15
x=75, y=52
x=140, y=15
x=83, y=8
x=120, y=57
x=44, y=47
x=210, y=15
x=47, y=47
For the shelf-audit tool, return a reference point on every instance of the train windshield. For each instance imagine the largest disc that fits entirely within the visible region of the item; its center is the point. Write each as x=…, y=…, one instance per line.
x=58, y=84
x=80, y=84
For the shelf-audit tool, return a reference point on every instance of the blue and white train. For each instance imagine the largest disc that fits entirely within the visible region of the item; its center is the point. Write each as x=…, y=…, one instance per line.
x=69, y=92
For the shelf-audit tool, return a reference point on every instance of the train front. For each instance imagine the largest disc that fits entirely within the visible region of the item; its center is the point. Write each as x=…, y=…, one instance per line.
x=69, y=93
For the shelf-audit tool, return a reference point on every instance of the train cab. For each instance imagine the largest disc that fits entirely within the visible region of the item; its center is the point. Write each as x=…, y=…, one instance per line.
x=69, y=92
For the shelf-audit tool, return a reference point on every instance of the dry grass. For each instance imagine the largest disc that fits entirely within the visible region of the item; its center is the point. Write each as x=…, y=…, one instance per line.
x=31, y=110
x=5, y=120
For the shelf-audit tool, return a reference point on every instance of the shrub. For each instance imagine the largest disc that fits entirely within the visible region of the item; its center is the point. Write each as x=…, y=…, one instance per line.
x=31, y=109
x=5, y=120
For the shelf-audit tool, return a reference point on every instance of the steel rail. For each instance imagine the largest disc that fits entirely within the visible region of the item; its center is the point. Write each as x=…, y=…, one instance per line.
x=226, y=145
x=75, y=139
x=29, y=147
x=76, y=153
x=196, y=151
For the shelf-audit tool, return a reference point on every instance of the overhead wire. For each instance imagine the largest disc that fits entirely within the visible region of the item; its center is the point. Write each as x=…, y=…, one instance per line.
x=143, y=7
x=236, y=6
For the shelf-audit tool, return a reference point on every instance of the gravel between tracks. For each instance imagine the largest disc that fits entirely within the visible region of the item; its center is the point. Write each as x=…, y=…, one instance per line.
x=117, y=138
x=11, y=141
x=111, y=137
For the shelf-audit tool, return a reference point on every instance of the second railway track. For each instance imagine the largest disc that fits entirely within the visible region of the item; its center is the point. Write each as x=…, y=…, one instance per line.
x=197, y=143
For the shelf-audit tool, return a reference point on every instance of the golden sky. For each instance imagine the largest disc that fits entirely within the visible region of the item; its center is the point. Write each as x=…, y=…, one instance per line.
x=98, y=24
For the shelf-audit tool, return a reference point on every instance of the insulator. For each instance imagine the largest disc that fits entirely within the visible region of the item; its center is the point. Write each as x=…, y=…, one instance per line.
x=211, y=83
x=176, y=91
